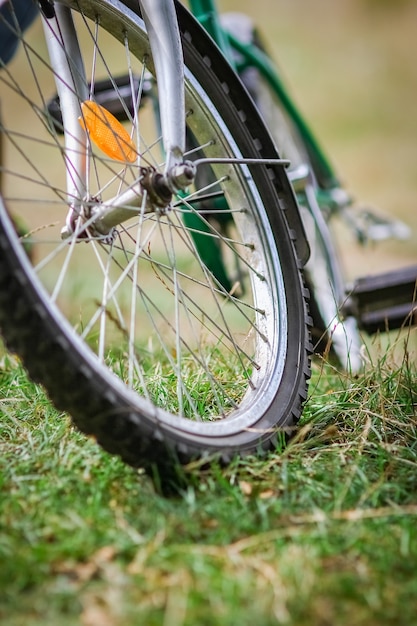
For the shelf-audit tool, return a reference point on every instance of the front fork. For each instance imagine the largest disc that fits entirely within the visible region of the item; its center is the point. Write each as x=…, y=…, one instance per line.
x=164, y=38
x=153, y=191
x=72, y=88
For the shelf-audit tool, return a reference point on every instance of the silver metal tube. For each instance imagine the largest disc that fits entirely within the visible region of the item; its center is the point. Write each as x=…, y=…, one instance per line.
x=115, y=211
x=164, y=37
x=71, y=83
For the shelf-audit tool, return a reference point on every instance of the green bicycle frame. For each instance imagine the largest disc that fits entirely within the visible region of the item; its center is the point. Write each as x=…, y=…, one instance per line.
x=205, y=11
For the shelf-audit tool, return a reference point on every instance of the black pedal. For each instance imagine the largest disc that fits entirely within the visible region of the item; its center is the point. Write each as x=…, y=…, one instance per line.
x=385, y=301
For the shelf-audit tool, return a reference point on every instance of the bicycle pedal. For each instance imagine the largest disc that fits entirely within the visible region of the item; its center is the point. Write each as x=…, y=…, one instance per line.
x=368, y=226
x=385, y=301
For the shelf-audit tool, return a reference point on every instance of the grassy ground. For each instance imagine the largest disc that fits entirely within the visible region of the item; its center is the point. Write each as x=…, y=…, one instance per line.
x=322, y=532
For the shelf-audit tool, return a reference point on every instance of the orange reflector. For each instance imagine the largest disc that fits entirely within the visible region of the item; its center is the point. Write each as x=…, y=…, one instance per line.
x=107, y=132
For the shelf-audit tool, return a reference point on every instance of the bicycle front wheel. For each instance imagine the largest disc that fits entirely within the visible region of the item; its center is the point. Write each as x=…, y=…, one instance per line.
x=134, y=334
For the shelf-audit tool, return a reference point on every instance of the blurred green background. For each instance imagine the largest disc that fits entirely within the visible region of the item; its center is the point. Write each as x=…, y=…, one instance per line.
x=351, y=66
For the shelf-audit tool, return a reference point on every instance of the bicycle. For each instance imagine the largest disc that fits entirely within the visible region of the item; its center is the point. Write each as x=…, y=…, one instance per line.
x=169, y=191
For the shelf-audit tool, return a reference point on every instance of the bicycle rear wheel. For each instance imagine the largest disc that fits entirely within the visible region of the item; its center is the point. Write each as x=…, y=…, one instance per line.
x=332, y=329
x=132, y=334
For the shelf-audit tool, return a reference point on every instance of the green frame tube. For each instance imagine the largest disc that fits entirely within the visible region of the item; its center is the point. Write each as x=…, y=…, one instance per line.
x=205, y=11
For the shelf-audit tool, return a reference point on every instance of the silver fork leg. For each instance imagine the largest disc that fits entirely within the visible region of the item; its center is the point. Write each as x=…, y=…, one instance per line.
x=72, y=88
x=164, y=37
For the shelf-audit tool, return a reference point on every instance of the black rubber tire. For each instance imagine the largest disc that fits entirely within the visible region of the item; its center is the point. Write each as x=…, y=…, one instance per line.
x=100, y=404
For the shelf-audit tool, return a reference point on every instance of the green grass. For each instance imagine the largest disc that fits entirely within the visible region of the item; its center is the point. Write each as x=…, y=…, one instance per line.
x=322, y=531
